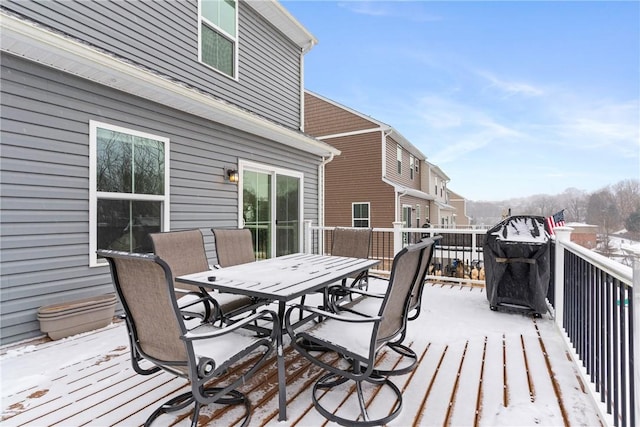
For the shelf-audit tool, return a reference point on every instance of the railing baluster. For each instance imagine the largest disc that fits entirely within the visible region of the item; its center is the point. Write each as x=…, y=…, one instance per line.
x=591, y=296
x=623, y=353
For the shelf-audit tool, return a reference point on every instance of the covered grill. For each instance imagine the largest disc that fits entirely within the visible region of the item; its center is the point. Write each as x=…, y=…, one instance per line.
x=516, y=256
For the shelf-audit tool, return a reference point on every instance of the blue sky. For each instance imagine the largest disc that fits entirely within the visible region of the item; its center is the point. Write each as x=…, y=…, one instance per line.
x=508, y=98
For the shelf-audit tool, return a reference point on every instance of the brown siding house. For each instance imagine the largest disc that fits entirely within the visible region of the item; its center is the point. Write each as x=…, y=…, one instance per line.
x=376, y=180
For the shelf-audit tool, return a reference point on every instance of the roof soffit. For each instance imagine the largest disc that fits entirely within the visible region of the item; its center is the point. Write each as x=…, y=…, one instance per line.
x=38, y=44
x=275, y=13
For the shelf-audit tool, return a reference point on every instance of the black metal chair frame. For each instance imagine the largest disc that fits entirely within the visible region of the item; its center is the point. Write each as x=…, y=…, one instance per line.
x=386, y=325
x=413, y=311
x=198, y=369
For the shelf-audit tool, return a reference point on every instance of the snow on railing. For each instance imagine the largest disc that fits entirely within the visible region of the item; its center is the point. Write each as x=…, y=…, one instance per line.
x=457, y=257
x=594, y=308
x=593, y=302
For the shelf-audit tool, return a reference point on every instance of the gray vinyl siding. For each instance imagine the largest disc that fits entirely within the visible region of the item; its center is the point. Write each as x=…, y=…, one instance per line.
x=162, y=36
x=44, y=171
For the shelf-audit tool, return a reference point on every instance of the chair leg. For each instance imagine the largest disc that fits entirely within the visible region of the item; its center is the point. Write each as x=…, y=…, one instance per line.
x=175, y=404
x=326, y=382
x=363, y=404
x=403, y=351
x=196, y=415
x=182, y=401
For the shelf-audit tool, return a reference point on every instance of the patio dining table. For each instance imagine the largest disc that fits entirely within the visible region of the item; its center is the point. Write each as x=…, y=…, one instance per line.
x=281, y=279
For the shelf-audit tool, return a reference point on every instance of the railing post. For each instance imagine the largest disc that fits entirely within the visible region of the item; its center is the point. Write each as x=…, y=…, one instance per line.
x=563, y=234
x=397, y=237
x=636, y=332
x=474, y=243
x=307, y=235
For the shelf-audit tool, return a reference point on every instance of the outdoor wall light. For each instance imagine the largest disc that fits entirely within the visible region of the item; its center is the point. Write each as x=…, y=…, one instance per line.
x=231, y=175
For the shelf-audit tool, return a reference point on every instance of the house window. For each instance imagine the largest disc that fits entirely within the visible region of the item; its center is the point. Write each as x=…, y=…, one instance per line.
x=417, y=215
x=417, y=166
x=128, y=188
x=360, y=214
x=218, y=35
x=412, y=164
x=399, y=155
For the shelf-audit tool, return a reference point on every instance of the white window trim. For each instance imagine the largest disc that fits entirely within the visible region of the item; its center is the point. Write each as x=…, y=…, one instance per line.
x=272, y=170
x=353, y=220
x=93, y=192
x=235, y=39
x=412, y=164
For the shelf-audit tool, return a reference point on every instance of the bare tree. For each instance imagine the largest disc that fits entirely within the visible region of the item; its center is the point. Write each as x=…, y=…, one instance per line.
x=627, y=197
x=575, y=203
x=603, y=211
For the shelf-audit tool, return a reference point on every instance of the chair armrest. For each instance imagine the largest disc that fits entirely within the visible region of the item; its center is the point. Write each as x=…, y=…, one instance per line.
x=201, y=297
x=190, y=336
x=364, y=318
x=375, y=276
x=362, y=292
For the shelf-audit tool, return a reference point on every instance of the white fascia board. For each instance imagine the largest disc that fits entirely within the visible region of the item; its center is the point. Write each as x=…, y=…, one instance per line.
x=439, y=172
x=51, y=49
x=406, y=191
x=444, y=206
x=280, y=17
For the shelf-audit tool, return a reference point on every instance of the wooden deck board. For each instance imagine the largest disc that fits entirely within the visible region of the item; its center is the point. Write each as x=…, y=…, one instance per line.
x=462, y=378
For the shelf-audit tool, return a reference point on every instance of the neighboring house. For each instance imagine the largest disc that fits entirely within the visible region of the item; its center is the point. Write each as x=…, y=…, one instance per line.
x=441, y=214
x=585, y=235
x=459, y=203
x=380, y=177
x=122, y=118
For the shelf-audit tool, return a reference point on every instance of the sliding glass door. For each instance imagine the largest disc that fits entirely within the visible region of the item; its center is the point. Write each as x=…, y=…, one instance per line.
x=271, y=208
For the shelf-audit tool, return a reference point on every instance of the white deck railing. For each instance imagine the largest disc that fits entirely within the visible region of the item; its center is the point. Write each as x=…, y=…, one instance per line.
x=591, y=298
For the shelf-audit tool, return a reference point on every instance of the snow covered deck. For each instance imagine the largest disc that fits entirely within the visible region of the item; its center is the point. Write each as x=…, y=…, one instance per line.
x=476, y=367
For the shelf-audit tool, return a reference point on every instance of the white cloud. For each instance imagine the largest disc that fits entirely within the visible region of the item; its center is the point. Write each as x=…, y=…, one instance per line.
x=601, y=125
x=511, y=87
x=412, y=11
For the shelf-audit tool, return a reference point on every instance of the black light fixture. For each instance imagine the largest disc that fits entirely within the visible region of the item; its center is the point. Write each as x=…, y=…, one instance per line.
x=231, y=175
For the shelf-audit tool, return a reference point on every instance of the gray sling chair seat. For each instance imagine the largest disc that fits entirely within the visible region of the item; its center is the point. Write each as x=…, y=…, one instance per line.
x=351, y=242
x=185, y=253
x=159, y=334
x=233, y=246
x=369, y=304
x=358, y=338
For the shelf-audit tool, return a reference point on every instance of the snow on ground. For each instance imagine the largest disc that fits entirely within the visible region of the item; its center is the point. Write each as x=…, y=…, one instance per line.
x=457, y=319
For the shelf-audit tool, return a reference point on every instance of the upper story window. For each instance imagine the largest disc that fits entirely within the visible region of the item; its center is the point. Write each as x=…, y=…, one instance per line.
x=218, y=35
x=412, y=164
x=360, y=214
x=128, y=188
x=399, y=155
x=417, y=166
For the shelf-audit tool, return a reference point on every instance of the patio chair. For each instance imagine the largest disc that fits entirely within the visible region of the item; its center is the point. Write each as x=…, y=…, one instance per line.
x=184, y=252
x=358, y=338
x=369, y=304
x=351, y=242
x=233, y=246
x=158, y=334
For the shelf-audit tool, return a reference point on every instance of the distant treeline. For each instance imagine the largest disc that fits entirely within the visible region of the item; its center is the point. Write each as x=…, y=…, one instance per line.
x=612, y=208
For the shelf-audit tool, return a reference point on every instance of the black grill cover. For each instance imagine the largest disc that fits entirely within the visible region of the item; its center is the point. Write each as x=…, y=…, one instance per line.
x=516, y=258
